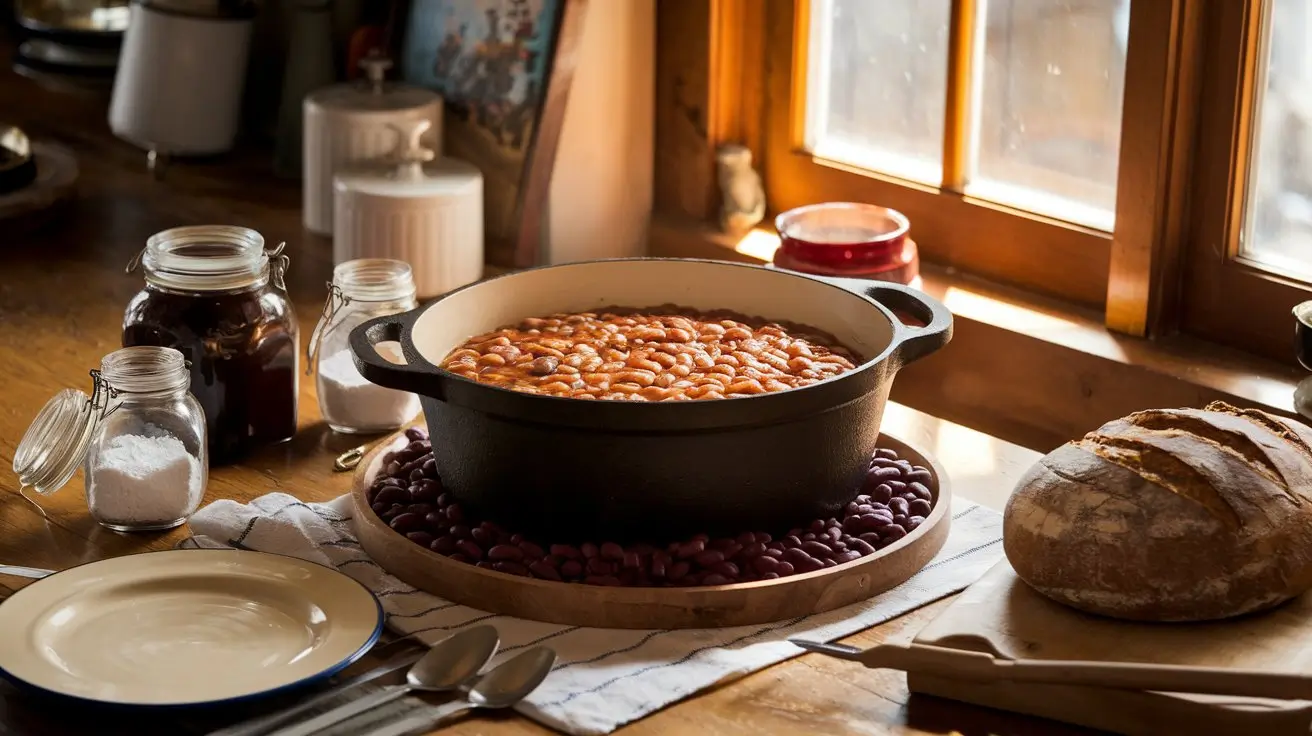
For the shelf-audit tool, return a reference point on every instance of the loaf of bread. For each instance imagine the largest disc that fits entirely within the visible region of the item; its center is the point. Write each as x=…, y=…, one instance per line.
x=1169, y=515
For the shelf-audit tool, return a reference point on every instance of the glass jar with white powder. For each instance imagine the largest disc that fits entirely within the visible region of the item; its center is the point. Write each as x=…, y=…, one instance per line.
x=140, y=437
x=361, y=289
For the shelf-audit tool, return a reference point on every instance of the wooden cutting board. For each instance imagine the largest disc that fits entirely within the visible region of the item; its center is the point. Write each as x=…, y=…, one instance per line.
x=1001, y=615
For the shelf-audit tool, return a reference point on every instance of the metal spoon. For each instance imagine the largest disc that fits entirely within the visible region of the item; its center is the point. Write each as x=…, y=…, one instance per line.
x=36, y=573
x=445, y=667
x=507, y=684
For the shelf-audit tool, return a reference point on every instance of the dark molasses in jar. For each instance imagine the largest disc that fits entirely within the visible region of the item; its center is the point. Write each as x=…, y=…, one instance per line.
x=215, y=295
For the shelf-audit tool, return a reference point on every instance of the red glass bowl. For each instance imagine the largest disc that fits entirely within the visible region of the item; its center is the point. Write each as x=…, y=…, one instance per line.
x=847, y=239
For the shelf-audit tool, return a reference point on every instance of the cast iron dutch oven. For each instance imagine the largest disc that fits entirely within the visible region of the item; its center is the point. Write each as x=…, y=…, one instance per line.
x=569, y=469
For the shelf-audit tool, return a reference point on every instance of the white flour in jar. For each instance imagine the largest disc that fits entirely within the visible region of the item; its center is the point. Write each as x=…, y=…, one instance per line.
x=139, y=479
x=349, y=399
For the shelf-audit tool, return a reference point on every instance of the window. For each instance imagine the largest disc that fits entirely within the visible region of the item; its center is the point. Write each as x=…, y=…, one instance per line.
x=1149, y=158
x=1043, y=82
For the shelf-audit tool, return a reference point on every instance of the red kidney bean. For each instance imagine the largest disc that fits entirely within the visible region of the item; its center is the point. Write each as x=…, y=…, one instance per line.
x=871, y=538
x=828, y=562
x=569, y=552
x=746, y=539
x=424, y=491
x=443, y=500
x=420, y=509
x=881, y=493
x=750, y=552
x=900, y=520
x=785, y=568
x=860, y=546
x=808, y=537
x=589, y=550
x=678, y=570
x=503, y=551
x=883, y=462
x=469, y=549
x=483, y=536
x=600, y=566
x=919, y=507
x=848, y=556
x=516, y=538
x=405, y=523
x=896, y=486
x=445, y=545
x=898, y=506
x=416, y=433
x=913, y=522
x=892, y=533
x=709, y=557
x=459, y=531
x=775, y=552
x=531, y=550
x=416, y=475
x=380, y=508
x=461, y=558
x=795, y=555
x=816, y=526
x=391, y=495
x=545, y=571
x=726, y=568
x=886, y=453
x=714, y=579
x=810, y=565
x=770, y=576
x=921, y=491
x=834, y=533
x=838, y=546
x=429, y=467
x=612, y=551
x=877, y=475
x=512, y=568
x=690, y=548
x=817, y=550
x=393, y=468
x=420, y=538
x=455, y=513
x=631, y=560
x=658, y=567
x=571, y=568
x=765, y=564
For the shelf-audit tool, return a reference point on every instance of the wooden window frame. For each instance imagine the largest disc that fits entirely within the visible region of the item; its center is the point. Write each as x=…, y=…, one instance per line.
x=1228, y=298
x=728, y=71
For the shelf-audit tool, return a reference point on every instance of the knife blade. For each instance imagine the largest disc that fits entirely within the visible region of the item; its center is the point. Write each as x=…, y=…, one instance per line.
x=265, y=723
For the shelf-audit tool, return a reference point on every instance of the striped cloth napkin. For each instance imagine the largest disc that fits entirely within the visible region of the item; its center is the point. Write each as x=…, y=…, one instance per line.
x=604, y=678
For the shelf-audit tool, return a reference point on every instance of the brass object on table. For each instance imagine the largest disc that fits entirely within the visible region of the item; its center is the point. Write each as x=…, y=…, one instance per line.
x=61, y=16
x=17, y=164
x=349, y=459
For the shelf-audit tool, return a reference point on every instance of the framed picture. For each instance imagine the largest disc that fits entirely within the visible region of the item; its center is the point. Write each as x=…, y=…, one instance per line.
x=503, y=68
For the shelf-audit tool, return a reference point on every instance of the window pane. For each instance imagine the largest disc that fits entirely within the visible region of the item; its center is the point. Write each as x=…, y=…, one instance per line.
x=876, y=84
x=1279, y=209
x=1048, y=116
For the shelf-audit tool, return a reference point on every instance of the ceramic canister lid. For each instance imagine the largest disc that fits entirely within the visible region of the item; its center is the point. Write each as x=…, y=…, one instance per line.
x=411, y=173
x=374, y=94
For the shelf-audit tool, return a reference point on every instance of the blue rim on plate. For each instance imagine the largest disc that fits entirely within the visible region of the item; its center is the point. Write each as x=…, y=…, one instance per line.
x=319, y=675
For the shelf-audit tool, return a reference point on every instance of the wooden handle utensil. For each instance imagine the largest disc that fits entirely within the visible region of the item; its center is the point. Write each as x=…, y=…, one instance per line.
x=945, y=662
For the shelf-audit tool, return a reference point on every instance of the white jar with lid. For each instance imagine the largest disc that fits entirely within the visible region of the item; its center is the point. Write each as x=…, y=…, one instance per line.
x=361, y=290
x=414, y=209
x=140, y=438
x=349, y=123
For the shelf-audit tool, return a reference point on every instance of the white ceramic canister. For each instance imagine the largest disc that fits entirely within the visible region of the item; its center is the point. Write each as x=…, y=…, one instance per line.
x=351, y=124
x=414, y=209
x=179, y=82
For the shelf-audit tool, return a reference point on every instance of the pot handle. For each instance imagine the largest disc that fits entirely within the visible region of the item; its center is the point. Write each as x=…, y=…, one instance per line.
x=937, y=318
x=377, y=369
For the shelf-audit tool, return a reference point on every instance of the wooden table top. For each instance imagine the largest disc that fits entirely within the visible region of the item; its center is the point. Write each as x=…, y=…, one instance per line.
x=62, y=294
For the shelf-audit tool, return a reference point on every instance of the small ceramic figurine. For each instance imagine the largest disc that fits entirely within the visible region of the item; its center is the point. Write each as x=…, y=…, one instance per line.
x=742, y=196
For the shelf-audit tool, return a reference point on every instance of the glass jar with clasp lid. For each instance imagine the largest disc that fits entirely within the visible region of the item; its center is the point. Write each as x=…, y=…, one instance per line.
x=140, y=438
x=217, y=296
x=361, y=289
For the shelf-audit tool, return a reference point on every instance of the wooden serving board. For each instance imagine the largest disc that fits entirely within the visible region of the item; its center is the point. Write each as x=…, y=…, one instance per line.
x=1002, y=615
x=651, y=608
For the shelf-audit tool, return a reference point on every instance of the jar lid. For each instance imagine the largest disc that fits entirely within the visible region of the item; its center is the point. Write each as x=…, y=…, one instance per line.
x=410, y=171
x=373, y=93
x=56, y=443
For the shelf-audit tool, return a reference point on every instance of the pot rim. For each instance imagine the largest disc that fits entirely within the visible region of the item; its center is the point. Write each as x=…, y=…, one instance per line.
x=656, y=416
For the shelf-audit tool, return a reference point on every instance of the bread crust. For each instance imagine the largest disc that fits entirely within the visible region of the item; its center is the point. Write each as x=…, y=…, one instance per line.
x=1169, y=515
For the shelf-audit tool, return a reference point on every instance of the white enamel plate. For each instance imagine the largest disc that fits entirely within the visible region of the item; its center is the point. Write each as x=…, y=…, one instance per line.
x=185, y=627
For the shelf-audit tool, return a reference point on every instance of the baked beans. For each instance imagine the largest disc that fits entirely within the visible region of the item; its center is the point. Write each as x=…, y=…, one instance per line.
x=658, y=354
